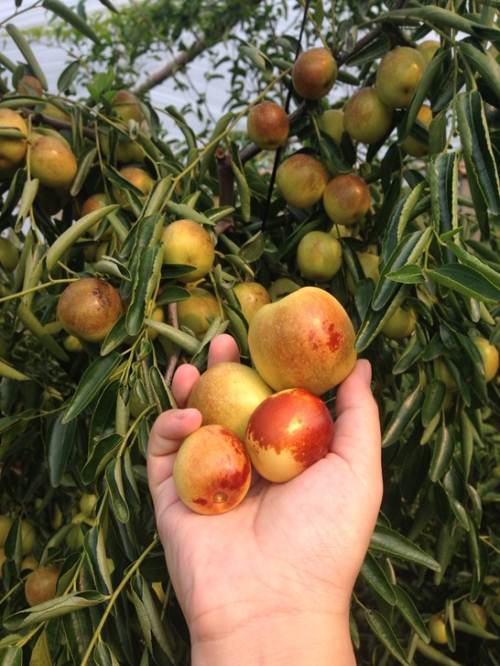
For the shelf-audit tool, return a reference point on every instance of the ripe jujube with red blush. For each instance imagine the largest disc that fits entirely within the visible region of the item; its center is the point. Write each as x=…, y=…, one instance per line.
x=287, y=433
x=212, y=470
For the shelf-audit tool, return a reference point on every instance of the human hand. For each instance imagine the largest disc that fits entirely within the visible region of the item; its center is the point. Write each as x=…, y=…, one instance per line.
x=270, y=582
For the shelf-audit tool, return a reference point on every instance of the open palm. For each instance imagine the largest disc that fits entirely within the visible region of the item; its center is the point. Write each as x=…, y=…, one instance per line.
x=297, y=545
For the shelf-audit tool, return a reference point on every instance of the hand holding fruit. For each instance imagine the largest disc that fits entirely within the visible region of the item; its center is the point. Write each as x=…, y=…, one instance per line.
x=284, y=562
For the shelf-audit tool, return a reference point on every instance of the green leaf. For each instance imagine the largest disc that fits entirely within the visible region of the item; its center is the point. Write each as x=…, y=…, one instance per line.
x=383, y=631
x=466, y=281
x=61, y=443
x=187, y=212
x=67, y=603
x=114, y=482
x=434, y=396
x=24, y=47
x=11, y=656
x=84, y=168
x=425, y=84
x=443, y=182
x=387, y=541
x=102, y=451
x=68, y=75
x=479, y=159
x=175, y=335
x=484, y=64
x=409, y=274
x=399, y=217
x=376, y=578
x=476, y=264
x=253, y=249
x=92, y=381
x=403, y=415
x=441, y=454
x=409, y=611
x=40, y=655
x=144, y=285
x=63, y=11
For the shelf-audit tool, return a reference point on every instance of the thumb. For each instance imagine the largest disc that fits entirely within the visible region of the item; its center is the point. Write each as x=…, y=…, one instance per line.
x=357, y=436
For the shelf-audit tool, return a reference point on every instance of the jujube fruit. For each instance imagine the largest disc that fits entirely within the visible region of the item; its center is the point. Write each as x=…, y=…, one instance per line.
x=52, y=161
x=198, y=311
x=9, y=254
x=366, y=118
x=89, y=308
x=288, y=432
x=428, y=49
x=331, y=122
x=41, y=585
x=398, y=76
x=226, y=394
x=12, y=150
x=489, y=356
x=414, y=146
x=187, y=242
x=346, y=199
x=400, y=324
x=305, y=340
x=212, y=470
x=319, y=256
x=437, y=628
x=29, y=86
x=301, y=180
x=268, y=125
x=126, y=106
x=314, y=73
x=370, y=265
x=251, y=297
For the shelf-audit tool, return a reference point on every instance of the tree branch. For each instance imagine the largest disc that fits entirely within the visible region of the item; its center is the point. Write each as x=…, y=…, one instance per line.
x=185, y=57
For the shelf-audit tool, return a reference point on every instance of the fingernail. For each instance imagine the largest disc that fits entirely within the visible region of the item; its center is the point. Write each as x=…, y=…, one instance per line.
x=366, y=370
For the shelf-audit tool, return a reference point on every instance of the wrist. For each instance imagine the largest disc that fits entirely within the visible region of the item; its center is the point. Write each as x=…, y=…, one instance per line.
x=277, y=637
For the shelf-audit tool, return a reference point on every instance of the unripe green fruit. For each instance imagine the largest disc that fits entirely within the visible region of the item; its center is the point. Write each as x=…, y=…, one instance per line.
x=87, y=503
x=301, y=180
x=428, y=49
x=413, y=146
x=251, y=297
x=72, y=344
x=437, y=628
x=187, y=242
x=28, y=537
x=5, y=525
x=370, y=265
x=52, y=161
x=398, y=76
x=319, y=256
x=12, y=151
x=366, y=118
x=401, y=324
x=197, y=311
x=473, y=614
x=331, y=122
x=489, y=355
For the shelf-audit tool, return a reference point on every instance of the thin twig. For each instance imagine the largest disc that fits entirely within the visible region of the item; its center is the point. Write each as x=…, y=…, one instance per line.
x=173, y=320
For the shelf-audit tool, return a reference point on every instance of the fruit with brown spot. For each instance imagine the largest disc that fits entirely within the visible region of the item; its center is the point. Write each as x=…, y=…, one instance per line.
x=346, y=199
x=41, y=584
x=197, y=311
x=305, y=340
x=89, y=308
x=398, y=76
x=314, y=73
x=287, y=433
x=52, y=161
x=366, y=118
x=187, y=242
x=301, y=180
x=414, y=146
x=212, y=470
x=226, y=394
x=319, y=256
x=29, y=86
x=251, y=297
x=12, y=150
x=268, y=125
